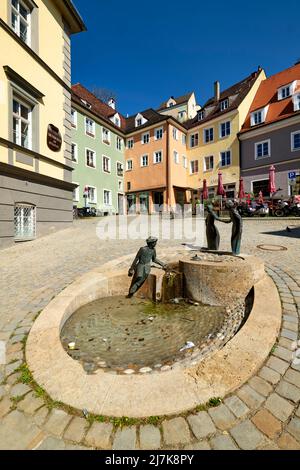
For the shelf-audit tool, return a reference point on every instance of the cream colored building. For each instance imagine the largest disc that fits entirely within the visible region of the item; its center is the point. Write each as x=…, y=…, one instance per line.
x=35, y=107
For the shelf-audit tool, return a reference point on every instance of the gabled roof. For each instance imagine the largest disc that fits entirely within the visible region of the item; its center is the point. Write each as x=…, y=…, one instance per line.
x=236, y=92
x=152, y=116
x=180, y=100
x=98, y=107
x=267, y=96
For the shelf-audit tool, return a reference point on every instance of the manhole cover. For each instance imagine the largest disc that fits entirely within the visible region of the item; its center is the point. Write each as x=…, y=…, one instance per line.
x=272, y=247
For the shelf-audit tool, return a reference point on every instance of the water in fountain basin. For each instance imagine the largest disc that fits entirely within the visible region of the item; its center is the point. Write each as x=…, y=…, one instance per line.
x=119, y=333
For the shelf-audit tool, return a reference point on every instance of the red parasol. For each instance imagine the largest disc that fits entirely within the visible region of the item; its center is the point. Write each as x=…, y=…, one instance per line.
x=241, y=189
x=220, y=190
x=205, y=190
x=272, y=187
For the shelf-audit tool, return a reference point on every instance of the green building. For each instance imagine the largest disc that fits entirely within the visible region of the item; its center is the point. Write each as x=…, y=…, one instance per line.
x=97, y=153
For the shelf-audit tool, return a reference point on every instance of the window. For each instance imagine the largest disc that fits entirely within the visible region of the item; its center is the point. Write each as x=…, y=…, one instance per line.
x=20, y=20
x=295, y=136
x=73, y=118
x=194, y=166
x=128, y=186
x=129, y=165
x=225, y=158
x=24, y=221
x=296, y=100
x=105, y=136
x=183, y=139
x=138, y=122
x=194, y=140
x=175, y=133
x=224, y=105
x=146, y=138
x=230, y=190
x=90, y=158
x=22, y=131
x=285, y=91
x=157, y=157
x=259, y=116
x=120, y=169
x=181, y=115
x=201, y=115
x=76, y=193
x=107, y=197
x=208, y=135
x=74, y=152
x=262, y=149
x=208, y=163
x=184, y=161
x=158, y=133
x=120, y=185
x=106, y=164
x=130, y=143
x=225, y=129
x=92, y=195
x=89, y=127
x=144, y=160
x=119, y=143
x=176, y=157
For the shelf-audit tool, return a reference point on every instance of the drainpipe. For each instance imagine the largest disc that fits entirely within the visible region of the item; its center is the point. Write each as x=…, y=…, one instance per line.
x=167, y=164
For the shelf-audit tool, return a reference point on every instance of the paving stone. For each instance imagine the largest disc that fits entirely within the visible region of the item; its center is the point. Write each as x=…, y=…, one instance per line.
x=283, y=353
x=237, y=406
x=290, y=326
x=10, y=368
x=201, y=424
x=270, y=375
x=267, y=423
x=289, y=334
x=13, y=378
x=99, y=435
x=11, y=348
x=2, y=391
x=289, y=307
x=277, y=364
x=176, y=431
x=222, y=417
x=17, y=432
x=293, y=377
x=22, y=330
x=247, y=436
x=57, y=422
x=40, y=416
x=51, y=443
x=287, y=442
x=279, y=407
x=288, y=390
x=5, y=406
x=261, y=386
x=203, y=445
x=290, y=318
x=76, y=430
x=269, y=445
x=250, y=397
x=286, y=343
x=19, y=390
x=17, y=356
x=150, y=437
x=30, y=404
x=125, y=439
x=294, y=428
x=223, y=443
x=298, y=411
x=16, y=339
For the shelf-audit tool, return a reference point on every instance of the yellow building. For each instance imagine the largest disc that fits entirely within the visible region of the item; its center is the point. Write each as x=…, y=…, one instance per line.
x=212, y=142
x=35, y=107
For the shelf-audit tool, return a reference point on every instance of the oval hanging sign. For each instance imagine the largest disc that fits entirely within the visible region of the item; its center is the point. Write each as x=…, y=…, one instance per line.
x=54, y=139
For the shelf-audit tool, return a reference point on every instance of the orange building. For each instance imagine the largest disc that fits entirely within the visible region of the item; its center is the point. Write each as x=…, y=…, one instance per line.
x=155, y=163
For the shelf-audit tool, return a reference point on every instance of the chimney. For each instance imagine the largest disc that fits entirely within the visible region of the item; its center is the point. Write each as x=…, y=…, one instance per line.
x=217, y=91
x=112, y=103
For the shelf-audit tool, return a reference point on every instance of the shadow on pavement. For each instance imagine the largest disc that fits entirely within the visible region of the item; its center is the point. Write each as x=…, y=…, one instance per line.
x=289, y=231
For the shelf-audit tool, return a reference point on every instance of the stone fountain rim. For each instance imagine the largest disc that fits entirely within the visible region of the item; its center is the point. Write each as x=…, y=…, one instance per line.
x=159, y=393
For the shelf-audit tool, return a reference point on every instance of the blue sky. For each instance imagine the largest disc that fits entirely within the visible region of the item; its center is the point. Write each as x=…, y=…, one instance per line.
x=148, y=51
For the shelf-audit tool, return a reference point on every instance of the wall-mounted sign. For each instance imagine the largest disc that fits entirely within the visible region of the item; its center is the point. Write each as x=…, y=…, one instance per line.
x=54, y=139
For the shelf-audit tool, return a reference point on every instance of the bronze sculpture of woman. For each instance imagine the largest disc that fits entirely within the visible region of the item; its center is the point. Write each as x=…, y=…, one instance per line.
x=212, y=233
x=237, y=227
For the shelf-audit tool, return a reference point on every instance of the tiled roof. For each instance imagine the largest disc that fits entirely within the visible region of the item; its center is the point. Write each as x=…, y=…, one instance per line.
x=180, y=100
x=267, y=95
x=236, y=92
x=98, y=107
x=152, y=116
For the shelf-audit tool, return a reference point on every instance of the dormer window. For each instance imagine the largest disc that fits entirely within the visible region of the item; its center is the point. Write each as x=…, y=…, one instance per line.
x=296, y=101
x=259, y=116
x=86, y=104
x=171, y=103
x=201, y=115
x=116, y=120
x=224, y=105
x=140, y=120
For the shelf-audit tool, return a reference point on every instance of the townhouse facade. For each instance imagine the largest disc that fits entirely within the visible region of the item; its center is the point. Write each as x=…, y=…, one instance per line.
x=35, y=127
x=97, y=153
x=271, y=135
x=212, y=136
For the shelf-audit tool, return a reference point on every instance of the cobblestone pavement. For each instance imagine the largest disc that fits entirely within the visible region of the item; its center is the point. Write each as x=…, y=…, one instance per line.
x=263, y=414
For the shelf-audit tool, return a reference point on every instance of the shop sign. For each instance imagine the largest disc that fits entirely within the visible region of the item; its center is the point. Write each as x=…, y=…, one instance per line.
x=54, y=139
